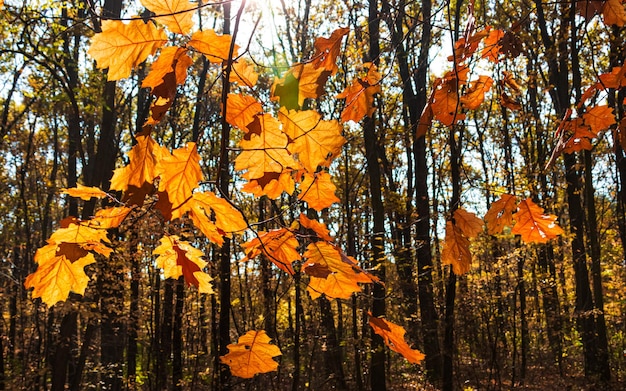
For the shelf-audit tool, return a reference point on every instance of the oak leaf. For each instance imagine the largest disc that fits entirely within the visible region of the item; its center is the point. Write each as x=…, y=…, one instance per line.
x=84, y=192
x=599, y=118
x=533, y=225
x=613, y=13
x=493, y=46
x=320, y=229
x=475, y=95
x=500, y=214
x=122, y=46
x=315, y=141
x=172, y=14
x=456, y=250
x=318, y=191
x=615, y=79
x=393, y=336
x=360, y=95
x=469, y=224
x=251, y=355
x=179, y=258
x=215, y=216
x=328, y=49
x=214, y=47
x=279, y=246
x=241, y=110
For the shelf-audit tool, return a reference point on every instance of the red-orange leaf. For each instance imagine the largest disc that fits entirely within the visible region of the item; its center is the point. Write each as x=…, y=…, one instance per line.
x=179, y=258
x=500, y=214
x=241, y=109
x=445, y=104
x=581, y=136
x=469, y=224
x=122, y=46
x=533, y=225
x=613, y=13
x=251, y=355
x=359, y=96
x=492, y=47
x=393, y=335
x=328, y=49
x=475, y=95
x=319, y=228
x=599, y=118
x=456, y=251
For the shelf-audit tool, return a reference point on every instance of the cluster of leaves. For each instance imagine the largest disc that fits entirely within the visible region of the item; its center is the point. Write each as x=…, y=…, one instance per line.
x=289, y=152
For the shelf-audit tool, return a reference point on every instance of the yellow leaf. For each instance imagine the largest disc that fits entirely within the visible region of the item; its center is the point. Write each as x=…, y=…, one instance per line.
x=141, y=169
x=456, y=251
x=172, y=60
x=251, y=355
x=121, y=47
x=316, y=142
x=179, y=258
x=84, y=192
x=393, y=335
x=174, y=16
x=180, y=173
x=318, y=191
x=469, y=224
x=533, y=225
x=214, y=47
x=500, y=214
x=300, y=82
x=243, y=73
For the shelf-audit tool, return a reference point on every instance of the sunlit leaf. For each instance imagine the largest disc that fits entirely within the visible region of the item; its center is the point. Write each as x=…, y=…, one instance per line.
x=214, y=47
x=318, y=191
x=456, y=250
x=251, y=355
x=241, y=109
x=491, y=51
x=500, y=214
x=328, y=49
x=84, y=192
x=393, y=336
x=359, y=96
x=599, y=118
x=475, y=95
x=468, y=223
x=613, y=13
x=280, y=246
x=179, y=258
x=533, y=225
x=174, y=16
x=243, y=73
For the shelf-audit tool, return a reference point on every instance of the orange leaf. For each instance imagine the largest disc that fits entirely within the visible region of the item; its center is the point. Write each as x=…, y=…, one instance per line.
x=500, y=214
x=251, y=355
x=613, y=13
x=121, y=47
x=316, y=142
x=205, y=207
x=317, y=227
x=279, y=246
x=599, y=118
x=300, y=82
x=491, y=51
x=172, y=60
x=110, y=217
x=243, y=73
x=174, y=16
x=328, y=49
x=359, y=96
x=469, y=224
x=580, y=138
x=615, y=79
x=179, y=258
x=456, y=251
x=533, y=225
x=318, y=191
x=84, y=192
x=393, y=335
x=241, y=109
x=271, y=184
x=180, y=173
x=214, y=47
x=475, y=95
x=445, y=104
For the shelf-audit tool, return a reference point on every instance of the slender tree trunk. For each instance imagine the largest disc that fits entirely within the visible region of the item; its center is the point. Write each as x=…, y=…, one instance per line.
x=332, y=356
x=177, y=335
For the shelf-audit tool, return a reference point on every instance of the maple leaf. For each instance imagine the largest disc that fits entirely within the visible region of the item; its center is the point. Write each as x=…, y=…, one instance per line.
x=241, y=110
x=179, y=258
x=279, y=246
x=243, y=73
x=599, y=118
x=265, y=149
x=301, y=81
x=615, y=79
x=533, y=225
x=318, y=191
x=172, y=60
x=110, y=217
x=320, y=229
x=360, y=94
x=469, y=224
x=327, y=50
x=500, y=214
x=580, y=138
x=332, y=273
x=493, y=47
x=613, y=13
x=180, y=173
x=393, y=335
x=314, y=140
x=172, y=14
x=214, y=47
x=205, y=206
x=475, y=95
x=121, y=47
x=251, y=355
x=465, y=47
x=84, y=192
x=456, y=251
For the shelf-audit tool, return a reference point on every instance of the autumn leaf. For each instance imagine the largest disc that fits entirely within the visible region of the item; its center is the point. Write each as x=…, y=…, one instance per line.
x=172, y=14
x=613, y=13
x=241, y=110
x=533, y=225
x=469, y=224
x=214, y=47
x=599, y=118
x=215, y=216
x=179, y=258
x=279, y=246
x=122, y=46
x=359, y=96
x=314, y=140
x=243, y=73
x=500, y=214
x=445, y=104
x=180, y=173
x=393, y=335
x=301, y=81
x=320, y=229
x=581, y=136
x=465, y=47
x=110, y=217
x=251, y=355
x=475, y=95
x=456, y=250
x=615, y=79
x=172, y=60
x=271, y=184
x=491, y=51
x=318, y=191
x=84, y=192
x=328, y=49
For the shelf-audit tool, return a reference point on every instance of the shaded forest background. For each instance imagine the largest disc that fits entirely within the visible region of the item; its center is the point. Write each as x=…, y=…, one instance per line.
x=525, y=316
